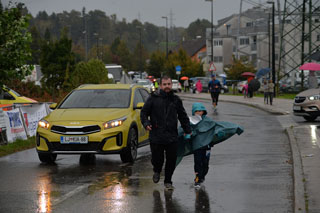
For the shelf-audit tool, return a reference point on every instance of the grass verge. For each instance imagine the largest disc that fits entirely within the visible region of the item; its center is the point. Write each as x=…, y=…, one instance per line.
x=17, y=146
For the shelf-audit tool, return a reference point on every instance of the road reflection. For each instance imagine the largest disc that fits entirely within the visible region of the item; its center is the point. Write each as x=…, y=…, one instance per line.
x=44, y=194
x=202, y=203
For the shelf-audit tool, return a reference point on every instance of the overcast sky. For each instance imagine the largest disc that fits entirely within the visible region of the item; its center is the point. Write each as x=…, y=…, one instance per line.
x=184, y=11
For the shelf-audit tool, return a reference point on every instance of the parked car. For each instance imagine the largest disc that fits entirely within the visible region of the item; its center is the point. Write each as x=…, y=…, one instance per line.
x=94, y=119
x=146, y=84
x=176, y=86
x=240, y=85
x=307, y=104
x=9, y=96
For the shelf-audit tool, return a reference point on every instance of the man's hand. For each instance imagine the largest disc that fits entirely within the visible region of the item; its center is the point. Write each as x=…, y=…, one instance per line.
x=149, y=127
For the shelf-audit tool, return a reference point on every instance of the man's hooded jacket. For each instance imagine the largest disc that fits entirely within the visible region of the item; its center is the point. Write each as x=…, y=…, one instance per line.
x=205, y=133
x=164, y=110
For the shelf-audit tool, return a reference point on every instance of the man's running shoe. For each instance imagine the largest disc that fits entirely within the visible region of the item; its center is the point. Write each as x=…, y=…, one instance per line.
x=168, y=186
x=156, y=177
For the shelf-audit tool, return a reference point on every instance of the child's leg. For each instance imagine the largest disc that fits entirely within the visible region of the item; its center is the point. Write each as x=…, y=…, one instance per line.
x=197, y=161
x=206, y=163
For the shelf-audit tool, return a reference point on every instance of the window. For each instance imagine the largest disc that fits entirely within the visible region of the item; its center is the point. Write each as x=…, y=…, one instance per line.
x=145, y=94
x=244, y=41
x=276, y=39
x=318, y=37
x=217, y=43
x=249, y=24
x=217, y=59
x=137, y=98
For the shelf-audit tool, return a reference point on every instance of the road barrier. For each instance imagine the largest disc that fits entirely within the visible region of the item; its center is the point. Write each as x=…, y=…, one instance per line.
x=20, y=121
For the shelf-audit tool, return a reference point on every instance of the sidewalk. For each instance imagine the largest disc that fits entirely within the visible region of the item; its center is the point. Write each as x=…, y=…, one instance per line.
x=305, y=152
x=280, y=106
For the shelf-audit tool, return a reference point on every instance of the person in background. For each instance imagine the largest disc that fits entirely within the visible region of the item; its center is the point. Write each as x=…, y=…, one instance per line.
x=199, y=86
x=214, y=87
x=245, y=90
x=186, y=85
x=270, y=91
x=160, y=115
x=265, y=88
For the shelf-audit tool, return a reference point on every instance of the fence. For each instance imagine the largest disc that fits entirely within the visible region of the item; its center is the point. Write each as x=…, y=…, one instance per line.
x=20, y=121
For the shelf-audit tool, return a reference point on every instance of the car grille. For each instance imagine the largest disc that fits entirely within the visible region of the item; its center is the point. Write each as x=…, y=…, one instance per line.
x=299, y=99
x=80, y=130
x=91, y=146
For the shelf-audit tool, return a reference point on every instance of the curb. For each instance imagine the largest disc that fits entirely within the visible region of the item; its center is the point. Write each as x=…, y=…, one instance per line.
x=259, y=106
x=298, y=176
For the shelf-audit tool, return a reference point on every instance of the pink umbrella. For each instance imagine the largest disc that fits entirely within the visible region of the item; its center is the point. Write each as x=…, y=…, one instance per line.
x=310, y=66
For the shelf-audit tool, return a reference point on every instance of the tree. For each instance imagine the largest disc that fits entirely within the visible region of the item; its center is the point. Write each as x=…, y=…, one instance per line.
x=35, y=45
x=56, y=56
x=15, y=43
x=156, y=64
x=92, y=72
x=238, y=67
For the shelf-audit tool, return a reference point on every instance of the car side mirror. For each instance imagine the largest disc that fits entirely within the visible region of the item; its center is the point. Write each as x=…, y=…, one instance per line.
x=139, y=105
x=53, y=106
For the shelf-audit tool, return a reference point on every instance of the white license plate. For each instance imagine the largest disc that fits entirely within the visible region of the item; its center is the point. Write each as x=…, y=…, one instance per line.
x=74, y=139
x=297, y=108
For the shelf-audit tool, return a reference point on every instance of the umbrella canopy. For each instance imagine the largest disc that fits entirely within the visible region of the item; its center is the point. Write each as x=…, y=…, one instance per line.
x=310, y=66
x=263, y=72
x=254, y=85
x=184, y=78
x=223, y=75
x=247, y=74
x=131, y=72
x=315, y=56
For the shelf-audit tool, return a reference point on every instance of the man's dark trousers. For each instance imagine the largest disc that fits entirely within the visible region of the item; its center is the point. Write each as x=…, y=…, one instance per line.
x=157, y=158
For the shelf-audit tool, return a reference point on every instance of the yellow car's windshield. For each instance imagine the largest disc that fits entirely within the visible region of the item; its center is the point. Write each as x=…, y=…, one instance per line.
x=97, y=98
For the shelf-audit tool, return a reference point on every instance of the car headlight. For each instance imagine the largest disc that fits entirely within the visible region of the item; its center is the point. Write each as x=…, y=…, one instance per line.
x=153, y=88
x=314, y=97
x=114, y=123
x=43, y=124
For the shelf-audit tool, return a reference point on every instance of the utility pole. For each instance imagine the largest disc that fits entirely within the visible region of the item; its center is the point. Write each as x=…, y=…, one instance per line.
x=273, y=50
x=166, y=17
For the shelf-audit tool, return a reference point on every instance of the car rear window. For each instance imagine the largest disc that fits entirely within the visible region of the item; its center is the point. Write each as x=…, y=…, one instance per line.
x=97, y=98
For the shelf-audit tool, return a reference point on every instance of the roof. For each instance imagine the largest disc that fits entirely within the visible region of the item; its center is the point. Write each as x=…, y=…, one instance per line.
x=107, y=86
x=192, y=46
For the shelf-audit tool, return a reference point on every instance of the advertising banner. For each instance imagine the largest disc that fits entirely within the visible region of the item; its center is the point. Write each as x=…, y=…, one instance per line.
x=32, y=114
x=14, y=123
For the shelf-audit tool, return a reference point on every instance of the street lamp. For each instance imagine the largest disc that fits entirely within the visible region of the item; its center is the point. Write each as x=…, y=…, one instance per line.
x=166, y=17
x=273, y=50
x=96, y=34
x=140, y=47
x=211, y=29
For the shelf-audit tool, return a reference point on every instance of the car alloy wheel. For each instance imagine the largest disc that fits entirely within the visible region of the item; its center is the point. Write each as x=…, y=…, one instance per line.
x=129, y=154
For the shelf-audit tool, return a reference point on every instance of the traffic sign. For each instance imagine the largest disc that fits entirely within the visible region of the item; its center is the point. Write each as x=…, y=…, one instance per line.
x=178, y=70
x=212, y=67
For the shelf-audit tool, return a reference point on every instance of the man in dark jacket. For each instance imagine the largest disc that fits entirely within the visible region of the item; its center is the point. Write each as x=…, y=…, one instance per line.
x=164, y=109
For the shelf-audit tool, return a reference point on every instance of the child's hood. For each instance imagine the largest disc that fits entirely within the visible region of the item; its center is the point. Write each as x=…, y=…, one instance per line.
x=198, y=107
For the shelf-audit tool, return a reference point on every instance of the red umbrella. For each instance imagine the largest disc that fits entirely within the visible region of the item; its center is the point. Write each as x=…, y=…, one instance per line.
x=247, y=74
x=184, y=78
x=310, y=66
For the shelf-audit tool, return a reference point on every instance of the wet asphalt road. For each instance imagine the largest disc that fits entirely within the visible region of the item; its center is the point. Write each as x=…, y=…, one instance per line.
x=248, y=173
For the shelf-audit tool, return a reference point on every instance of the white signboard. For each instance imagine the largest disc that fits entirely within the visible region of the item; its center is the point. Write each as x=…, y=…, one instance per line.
x=32, y=114
x=14, y=125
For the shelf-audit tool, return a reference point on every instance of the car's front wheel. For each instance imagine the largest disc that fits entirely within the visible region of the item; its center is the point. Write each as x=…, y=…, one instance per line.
x=310, y=118
x=47, y=157
x=129, y=154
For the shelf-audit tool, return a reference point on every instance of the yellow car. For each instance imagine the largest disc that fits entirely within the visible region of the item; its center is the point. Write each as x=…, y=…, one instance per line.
x=94, y=119
x=9, y=96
